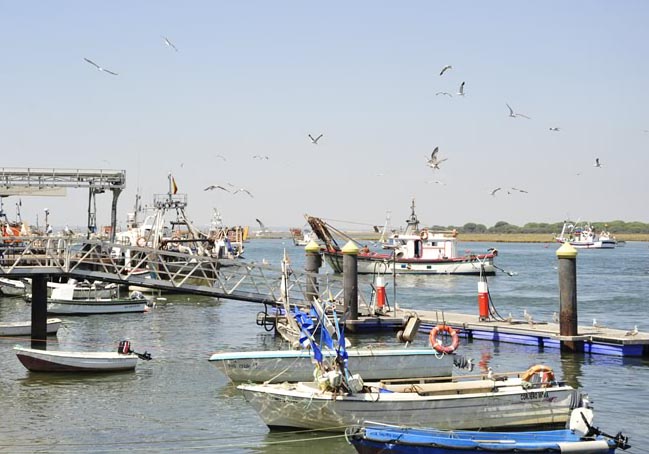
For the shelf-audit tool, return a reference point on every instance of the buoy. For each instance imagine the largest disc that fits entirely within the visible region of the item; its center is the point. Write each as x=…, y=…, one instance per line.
x=380, y=293
x=483, y=299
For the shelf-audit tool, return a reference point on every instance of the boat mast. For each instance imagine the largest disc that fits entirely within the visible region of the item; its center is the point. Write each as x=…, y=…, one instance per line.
x=412, y=227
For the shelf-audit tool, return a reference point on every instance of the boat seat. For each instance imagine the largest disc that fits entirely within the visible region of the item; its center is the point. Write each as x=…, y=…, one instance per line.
x=434, y=389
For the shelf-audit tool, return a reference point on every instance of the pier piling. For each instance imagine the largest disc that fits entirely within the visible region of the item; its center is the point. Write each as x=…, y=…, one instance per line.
x=350, y=280
x=39, y=312
x=312, y=264
x=568, y=330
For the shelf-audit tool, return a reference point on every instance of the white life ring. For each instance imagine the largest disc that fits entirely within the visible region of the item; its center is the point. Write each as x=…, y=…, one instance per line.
x=424, y=234
x=141, y=241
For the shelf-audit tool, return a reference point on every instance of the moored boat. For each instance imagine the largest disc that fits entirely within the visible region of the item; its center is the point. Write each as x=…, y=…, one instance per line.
x=296, y=365
x=514, y=403
x=10, y=329
x=415, y=251
x=581, y=437
x=63, y=303
x=77, y=361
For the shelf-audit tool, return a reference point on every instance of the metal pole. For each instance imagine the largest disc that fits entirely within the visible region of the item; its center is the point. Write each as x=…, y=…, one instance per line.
x=350, y=279
x=567, y=256
x=39, y=312
x=312, y=264
x=113, y=213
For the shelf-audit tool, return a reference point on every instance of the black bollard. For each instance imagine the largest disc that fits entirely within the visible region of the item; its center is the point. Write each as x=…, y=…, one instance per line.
x=312, y=266
x=567, y=256
x=350, y=279
x=39, y=312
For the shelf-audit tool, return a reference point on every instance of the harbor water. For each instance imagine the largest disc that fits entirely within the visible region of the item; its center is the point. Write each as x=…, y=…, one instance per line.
x=180, y=403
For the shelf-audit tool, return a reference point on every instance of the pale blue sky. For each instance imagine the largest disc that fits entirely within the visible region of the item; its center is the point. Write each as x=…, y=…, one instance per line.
x=254, y=78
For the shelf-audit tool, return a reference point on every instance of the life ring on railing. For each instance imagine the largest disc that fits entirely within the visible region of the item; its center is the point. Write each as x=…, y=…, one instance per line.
x=141, y=241
x=539, y=375
x=424, y=234
x=437, y=343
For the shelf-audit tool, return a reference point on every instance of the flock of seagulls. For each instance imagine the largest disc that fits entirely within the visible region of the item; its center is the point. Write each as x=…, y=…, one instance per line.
x=213, y=187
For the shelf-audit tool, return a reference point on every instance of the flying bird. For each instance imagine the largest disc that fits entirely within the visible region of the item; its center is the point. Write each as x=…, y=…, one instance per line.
x=461, y=92
x=243, y=190
x=445, y=93
x=259, y=157
x=170, y=44
x=99, y=67
x=434, y=162
x=444, y=69
x=221, y=156
x=555, y=129
x=514, y=115
x=211, y=187
x=493, y=193
x=597, y=163
x=315, y=141
x=437, y=182
x=519, y=190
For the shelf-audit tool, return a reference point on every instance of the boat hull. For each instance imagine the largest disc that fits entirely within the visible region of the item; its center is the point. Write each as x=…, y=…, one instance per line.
x=296, y=365
x=380, y=439
x=303, y=406
x=25, y=328
x=65, y=361
x=82, y=307
x=380, y=263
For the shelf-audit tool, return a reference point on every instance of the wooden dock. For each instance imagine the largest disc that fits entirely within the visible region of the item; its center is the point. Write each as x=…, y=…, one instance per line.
x=597, y=340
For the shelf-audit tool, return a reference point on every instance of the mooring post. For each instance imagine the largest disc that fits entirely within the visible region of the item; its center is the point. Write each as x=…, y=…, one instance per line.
x=312, y=265
x=567, y=256
x=350, y=279
x=39, y=312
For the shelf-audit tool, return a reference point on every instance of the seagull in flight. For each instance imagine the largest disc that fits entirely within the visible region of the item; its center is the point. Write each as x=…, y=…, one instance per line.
x=461, y=92
x=444, y=69
x=514, y=115
x=555, y=129
x=493, y=193
x=437, y=182
x=170, y=44
x=597, y=163
x=243, y=190
x=221, y=156
x=519, y=190
x=445, y=93
x=433, y=162
x=211, y=187
x=315, y=141
x=99, y=67
x=259, y=157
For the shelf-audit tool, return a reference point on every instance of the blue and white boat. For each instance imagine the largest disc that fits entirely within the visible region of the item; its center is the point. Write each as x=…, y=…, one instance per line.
x=375, y=438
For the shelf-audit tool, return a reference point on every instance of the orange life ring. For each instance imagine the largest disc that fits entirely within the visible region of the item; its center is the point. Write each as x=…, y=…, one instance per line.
x=141, y=241
x=424, y=234
x=539, y=375
x=438, y=345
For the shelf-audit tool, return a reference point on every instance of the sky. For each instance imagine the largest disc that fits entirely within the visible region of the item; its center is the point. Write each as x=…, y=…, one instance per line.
x=255, y=78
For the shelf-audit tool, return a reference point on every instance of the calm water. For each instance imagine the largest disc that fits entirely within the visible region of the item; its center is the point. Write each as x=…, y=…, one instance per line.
x=180, y=403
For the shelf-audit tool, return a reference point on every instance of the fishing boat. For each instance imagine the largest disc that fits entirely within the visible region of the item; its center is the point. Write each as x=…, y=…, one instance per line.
x=302, y=237
x=334, y=402
x=415, y=251
x=62, y=302
x=10, y=329
x=75, y=361
x=581, y=437
x=274, y=366
x=585, y=237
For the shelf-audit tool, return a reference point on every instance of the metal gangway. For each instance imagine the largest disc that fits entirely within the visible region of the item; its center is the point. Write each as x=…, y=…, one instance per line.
x=155, y=268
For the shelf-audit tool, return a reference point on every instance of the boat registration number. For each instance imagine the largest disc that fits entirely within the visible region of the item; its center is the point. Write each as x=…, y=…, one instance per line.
x=535, y=395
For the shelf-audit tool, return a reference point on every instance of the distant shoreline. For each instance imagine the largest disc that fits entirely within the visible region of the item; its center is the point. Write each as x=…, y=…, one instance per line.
x=483, y=237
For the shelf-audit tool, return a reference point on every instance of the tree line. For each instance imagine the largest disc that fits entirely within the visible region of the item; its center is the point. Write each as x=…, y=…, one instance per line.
x=614, y=227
